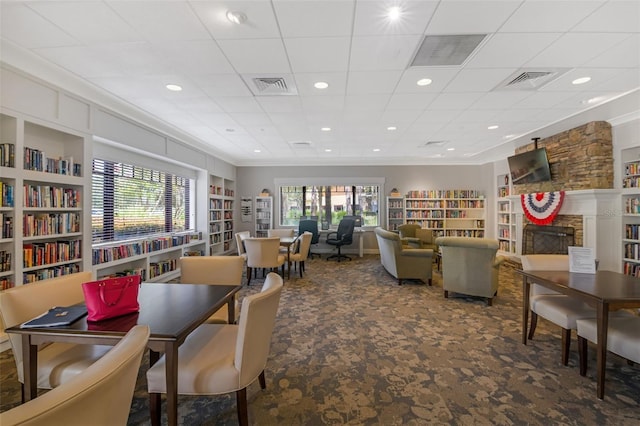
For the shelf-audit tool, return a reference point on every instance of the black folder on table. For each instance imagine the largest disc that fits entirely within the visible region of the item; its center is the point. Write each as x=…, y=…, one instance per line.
x=57, y=316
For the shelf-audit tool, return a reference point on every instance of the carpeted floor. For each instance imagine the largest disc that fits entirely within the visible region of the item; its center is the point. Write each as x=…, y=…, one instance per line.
x=353, y=347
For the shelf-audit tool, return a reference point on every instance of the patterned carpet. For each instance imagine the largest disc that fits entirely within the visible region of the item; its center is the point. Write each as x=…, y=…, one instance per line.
x=351, y=347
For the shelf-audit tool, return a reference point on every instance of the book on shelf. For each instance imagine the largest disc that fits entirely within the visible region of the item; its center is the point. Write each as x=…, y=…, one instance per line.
x=57, y=316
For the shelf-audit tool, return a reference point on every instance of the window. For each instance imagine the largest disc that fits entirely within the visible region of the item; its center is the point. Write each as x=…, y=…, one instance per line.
x=329, y=203
x=131, y=202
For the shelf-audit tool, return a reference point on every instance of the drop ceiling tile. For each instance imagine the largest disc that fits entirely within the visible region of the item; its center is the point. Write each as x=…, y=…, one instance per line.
x=410, y=101
x=456, y=101
x=284, y=119
x=398, y=117
x=161, y=21
x=598, y=76
x=500, y=100
x=371, y=17
x=272, y=104
x=89, y=22
x=366, y=102
x=517, y=115
x=573, y=49
x=23, y=26
x=194, y=57
x=323, y=103
x=622, y=83
x=313, y=55
x=250, y=118
x=625, y=54
x=314, y=18
x=129, y=87
x=84, y=61
x=256, y=55
x=383, y=52
x=613, y=16
x=478, y=79
x=440, y=116
x=200, y=104
x=549, y=15
x=363, y=82
x=238, y=104
x=261, y=21
x=222, y=85
x=543, y=100
x=337, y=83
x=478, y=116
x=470, y=17
x=440, y=78
x=510, y=50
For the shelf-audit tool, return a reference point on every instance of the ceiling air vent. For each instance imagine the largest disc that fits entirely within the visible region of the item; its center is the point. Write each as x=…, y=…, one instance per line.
x=530, y=79
x=271, y=85
x=301, y=144
x=446, y=50
x=432, y=144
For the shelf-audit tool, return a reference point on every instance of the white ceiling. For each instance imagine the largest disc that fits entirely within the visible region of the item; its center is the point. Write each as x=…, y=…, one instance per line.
x=132, y=49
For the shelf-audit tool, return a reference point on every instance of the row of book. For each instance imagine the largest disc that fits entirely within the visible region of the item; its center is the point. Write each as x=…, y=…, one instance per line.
x=632, y=168
x=51, y=196
x=445, y=193
x=5, y=261
x=127, y=272
x=35, y=159
x=632, y=232
x=465, y=204
x=163, y=267
x=7, y=155
x=215, y=204
x=425, y=214
x=6, y=194
x=102, y=255
x=632, y=269
x=631, y=182
x=41, y=224
x=430, y=224
x=47, y=253
x=45, y=274
x=6, y=230
x=632, y=251
x=425, y=204
x=465, y=233
x=632, y=206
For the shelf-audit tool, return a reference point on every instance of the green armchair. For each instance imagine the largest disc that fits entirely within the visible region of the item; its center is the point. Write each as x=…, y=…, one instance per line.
x=402, y=261
x=470, y=266
x=415, y=236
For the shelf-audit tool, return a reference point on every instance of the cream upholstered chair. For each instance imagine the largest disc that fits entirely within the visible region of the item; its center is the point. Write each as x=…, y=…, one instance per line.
x=240, y=237
x=401, y=261
x=101, y=395
x=263, y=253
x=470, y=266
x=407, y=232
x=217, y=359
x=57, y=362
x=213, y=270
x=302, y=251
x=623, y=338
x=282, y=233
x=560, y=309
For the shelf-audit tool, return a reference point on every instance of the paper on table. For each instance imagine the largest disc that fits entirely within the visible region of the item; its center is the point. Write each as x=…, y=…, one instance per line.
x=57, y=316
x=582, y=259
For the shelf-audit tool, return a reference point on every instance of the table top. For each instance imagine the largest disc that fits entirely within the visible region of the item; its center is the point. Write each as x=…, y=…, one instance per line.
x=171, y=310
x=603, y=285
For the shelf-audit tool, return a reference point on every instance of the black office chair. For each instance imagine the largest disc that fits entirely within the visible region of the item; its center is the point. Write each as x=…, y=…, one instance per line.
x=342, y=237
x=309, y=225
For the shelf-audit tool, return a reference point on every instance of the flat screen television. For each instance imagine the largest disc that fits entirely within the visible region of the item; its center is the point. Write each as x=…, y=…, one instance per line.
x=357, y=219
x=530, y=166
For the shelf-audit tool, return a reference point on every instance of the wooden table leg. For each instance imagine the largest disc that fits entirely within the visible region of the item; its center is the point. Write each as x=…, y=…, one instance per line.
x=155, y=401
x=603, y=325
x=29, y=368
x=171, y=372
x=231, y=310
x=526, y=288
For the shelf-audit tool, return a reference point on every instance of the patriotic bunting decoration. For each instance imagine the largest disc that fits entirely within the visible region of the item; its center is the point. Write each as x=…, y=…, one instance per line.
x=541, y=208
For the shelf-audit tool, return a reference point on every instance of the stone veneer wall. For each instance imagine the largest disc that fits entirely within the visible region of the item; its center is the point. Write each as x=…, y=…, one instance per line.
x=580, y=158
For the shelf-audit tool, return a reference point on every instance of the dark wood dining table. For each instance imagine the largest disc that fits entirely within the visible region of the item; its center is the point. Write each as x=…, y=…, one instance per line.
x=605, y=290
x=172, y=311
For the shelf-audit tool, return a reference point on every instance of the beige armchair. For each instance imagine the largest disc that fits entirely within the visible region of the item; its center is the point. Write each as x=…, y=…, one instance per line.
x=470, y=266
x=415, y=236
x=240, y=237
x=263, y=253
x=403, y=262
x=101, y=395
x=302, y=252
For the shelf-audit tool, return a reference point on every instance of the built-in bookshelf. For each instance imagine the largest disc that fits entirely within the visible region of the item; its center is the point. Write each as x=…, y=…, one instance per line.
x=454, y=213
x=155, y=259
x=264, y=215
x=630, y=200
x=505, y=216
x=220, y=211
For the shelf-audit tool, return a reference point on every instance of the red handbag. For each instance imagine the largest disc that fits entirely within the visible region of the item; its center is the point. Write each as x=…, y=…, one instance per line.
x=111, y=297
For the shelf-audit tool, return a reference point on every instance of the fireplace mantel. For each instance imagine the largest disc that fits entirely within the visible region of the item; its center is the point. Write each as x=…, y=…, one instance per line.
x=601, y=218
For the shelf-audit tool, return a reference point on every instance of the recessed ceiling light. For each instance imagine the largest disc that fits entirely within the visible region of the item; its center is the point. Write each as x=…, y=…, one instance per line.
x=321, y=85
x=327, y=150
x=174, y=87
x=509, y=136
x=391, y=128
x=394, y=13
x=424, y=82
x=236, y=17
x=581, y=80
x=325, y=129
x=256, y=150
x=451, y=149
x=492, y=127
x=376, y=149
x=593, y=100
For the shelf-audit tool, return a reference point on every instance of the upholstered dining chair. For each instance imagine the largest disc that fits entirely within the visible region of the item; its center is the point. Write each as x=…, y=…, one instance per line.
x=560, y=309
x=218, y=359
x=213, y=270
x=623, y=338
x=302, y=252
x=282, y=233
x=57, y=362
x=263, y=253
x=101, y=395
x=343, y=236
x=240, y=237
